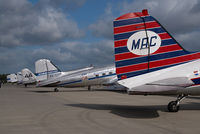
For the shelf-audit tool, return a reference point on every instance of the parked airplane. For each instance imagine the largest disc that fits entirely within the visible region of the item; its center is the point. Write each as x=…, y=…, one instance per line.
x=12, y=78
x=49, y=75
x=149, y=60
x=28, y=77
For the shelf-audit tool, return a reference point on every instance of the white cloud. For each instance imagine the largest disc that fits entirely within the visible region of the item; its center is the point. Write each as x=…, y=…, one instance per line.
x=66, y=55
x=190, y=40
x=103, y=27
x=25, y=24
x=179, y=17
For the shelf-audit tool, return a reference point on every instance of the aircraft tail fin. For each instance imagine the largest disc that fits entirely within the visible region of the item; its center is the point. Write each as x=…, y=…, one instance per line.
x=27, y=76
x=45, y=69
x=143, y=45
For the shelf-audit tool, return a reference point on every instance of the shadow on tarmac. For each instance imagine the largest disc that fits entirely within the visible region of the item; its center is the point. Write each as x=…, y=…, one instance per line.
x=124, y=110
x=42, y=91
x=45, y=91
x=76, y=90
x=140, y=112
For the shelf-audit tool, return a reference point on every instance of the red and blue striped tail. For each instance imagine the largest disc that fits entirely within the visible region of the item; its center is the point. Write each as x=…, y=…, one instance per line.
x=142, y=45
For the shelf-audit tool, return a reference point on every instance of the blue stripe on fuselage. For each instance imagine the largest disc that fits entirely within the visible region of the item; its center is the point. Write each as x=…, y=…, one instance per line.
x=45, y=73
x=77, y=81
x=101, y=76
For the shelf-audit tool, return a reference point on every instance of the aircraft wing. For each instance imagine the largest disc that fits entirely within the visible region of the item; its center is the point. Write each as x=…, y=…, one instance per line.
x=78, y=70
x=163, y=85
x=162, y=80
x=112, y=81
x=47, y=83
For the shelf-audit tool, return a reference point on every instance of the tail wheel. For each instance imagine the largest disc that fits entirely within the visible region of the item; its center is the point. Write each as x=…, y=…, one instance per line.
x=89, y=88
x=56, y=90
x=173, y=107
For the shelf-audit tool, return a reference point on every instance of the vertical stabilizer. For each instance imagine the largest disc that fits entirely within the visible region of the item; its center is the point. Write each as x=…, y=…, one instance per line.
x=27, y=76
x=45, y=69
x=143, y=45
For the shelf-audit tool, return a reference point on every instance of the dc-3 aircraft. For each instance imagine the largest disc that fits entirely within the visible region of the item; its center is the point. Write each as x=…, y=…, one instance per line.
x=12, y=78
x=28, y=78
x=49, y=75
x=25, y=77
x=149, y=60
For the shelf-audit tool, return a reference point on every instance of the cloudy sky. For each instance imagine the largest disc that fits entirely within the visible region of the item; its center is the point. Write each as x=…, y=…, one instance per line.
x=77, y=33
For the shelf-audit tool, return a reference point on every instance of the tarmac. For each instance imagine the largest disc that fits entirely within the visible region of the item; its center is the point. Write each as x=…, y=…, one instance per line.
x=79, y=111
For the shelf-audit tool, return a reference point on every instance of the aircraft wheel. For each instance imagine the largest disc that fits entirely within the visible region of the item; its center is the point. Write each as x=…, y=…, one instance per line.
x=89, y=88
x=56, y=90
x=173, y=107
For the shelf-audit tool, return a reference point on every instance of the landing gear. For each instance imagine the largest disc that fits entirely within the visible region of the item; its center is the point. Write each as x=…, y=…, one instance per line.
x=25, y=85
x=89, y=88
x=56, y=90
x=173, y=106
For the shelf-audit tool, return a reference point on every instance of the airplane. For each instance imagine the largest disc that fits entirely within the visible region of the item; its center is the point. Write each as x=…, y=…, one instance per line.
x=12, y=78
x=49, y=75
x=28, y=78
x=149, y=61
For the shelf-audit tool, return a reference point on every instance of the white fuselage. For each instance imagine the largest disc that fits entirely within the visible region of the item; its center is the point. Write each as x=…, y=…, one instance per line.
x=99, y=76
